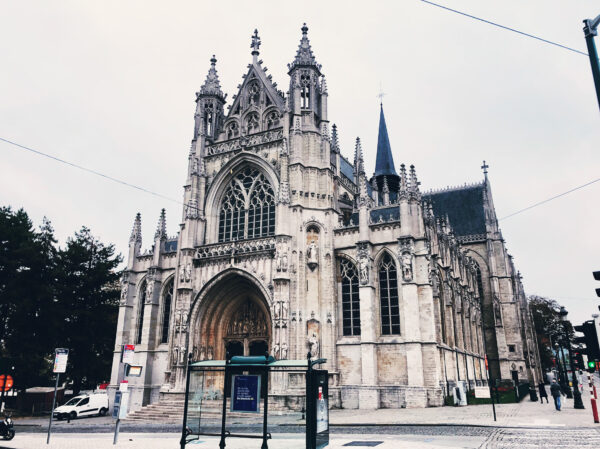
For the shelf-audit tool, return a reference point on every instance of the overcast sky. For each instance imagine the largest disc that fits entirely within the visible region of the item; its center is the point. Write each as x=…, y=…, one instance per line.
x=110, y=85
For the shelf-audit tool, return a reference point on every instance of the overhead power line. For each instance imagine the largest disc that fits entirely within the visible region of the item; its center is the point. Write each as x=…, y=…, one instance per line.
x=89, y=170
x=128, y=184
x=551, y=198
x=489, y=22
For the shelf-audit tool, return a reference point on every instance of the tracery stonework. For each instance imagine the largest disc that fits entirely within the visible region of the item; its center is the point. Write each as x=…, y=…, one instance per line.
x=286, y=246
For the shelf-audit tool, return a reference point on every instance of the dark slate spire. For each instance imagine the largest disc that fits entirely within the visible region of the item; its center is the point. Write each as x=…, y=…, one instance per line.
x=384, y=164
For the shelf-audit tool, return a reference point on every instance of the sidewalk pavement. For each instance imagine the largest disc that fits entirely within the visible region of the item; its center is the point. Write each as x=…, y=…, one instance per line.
x=523, y=414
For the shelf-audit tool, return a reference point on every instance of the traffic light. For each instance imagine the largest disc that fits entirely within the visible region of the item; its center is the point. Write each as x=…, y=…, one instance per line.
x=578, y=360
x=591, y=366
x=590, y=339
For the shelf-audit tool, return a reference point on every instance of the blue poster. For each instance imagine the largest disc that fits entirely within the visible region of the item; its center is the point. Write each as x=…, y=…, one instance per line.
x=245, y=393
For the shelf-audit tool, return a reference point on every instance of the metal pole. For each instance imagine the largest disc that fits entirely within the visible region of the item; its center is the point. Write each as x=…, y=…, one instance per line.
x=590, y=30
x=577, y=402
x=266, y=405
x=185, y=404
x=52, y=412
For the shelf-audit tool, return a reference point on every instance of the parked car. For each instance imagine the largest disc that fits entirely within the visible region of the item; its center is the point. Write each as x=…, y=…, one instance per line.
x=83, y=405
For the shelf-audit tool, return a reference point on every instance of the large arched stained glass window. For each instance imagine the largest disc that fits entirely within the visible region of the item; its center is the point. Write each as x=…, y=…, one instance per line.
x=140, y=320
x=388, y=295
x=166, y=315
x=350, y=299
x=248, y=207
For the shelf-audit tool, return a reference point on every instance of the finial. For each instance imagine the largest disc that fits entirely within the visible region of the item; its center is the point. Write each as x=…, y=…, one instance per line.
x=212, y=86
x=335, y=144
x=304, y=29
x=402, y=177
x=358, y=158
x=304, y=56
x=381, y=94
x=323, y=86
x=385, y=188
x=484, y=167
x=255, y=45
x=213, y=61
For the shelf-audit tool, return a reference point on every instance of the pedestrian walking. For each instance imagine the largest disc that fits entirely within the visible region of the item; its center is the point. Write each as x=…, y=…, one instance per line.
x=543, y=394
x=555, y=392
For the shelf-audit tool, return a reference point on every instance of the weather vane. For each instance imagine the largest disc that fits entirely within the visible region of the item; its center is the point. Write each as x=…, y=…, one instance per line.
x=381, y=94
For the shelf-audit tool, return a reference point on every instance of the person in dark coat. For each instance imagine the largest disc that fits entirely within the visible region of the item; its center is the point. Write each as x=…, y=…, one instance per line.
x=543, y=394
x=555, y=392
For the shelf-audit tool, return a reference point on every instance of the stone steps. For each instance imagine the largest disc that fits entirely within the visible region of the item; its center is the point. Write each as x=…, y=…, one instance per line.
x=172, y=410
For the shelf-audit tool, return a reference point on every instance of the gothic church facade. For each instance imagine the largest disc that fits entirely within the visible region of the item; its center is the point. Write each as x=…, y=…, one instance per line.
x=286, y=247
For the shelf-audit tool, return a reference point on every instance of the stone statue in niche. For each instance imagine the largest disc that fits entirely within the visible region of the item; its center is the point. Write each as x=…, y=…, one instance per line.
x=182, y=354
x=209, y=353
x=284, y=261
x=124, y=291
x=284, y=310
x=276, y=350
x=312, y=256
x=284, y=350
x=407, y=270
x=277, y=310
x=188, y=272
x=175, y=355
x=182, y=273
x=278, y=261
x=364, y=270
x=202, y=353
x=184, y=318
x=313, y=345
x=149, y=291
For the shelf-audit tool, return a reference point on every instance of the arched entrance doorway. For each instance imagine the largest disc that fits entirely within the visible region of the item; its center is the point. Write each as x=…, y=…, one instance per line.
x=233, y=316
x=247, y=331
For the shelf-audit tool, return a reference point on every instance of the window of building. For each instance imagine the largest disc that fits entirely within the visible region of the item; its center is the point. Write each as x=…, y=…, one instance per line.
x=511, y=348
x=166, y=315
x=479, y=283
x=232, y=130
x=305, y=91
x=248, y=207
x=272, y=120
x=252, y=123
x=350, y=299
x=140, y=321
x=208, y=118
x=388, y=296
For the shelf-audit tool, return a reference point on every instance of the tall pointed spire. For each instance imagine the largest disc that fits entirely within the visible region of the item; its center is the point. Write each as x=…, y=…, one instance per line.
x=136, y=232
x=384, y=164
x=304, y=55
x=161, y=229
x=212, y=86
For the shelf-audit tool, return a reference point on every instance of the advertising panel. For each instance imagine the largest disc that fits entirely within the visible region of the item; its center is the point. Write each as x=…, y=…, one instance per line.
x=245, y=393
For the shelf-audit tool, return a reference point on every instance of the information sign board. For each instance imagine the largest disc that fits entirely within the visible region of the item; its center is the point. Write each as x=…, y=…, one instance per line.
x=134, y=371
x=322, y=412
x=60, y=360
x=482, y=392
x=128, y=353
x=245, y=393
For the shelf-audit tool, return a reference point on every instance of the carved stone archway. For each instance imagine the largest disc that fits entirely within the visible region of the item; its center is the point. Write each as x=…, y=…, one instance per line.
x=233, y=315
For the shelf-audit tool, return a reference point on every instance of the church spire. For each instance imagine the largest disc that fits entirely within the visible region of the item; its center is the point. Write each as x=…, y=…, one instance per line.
x=384, y=164
x=212, y=86
x=304, y=55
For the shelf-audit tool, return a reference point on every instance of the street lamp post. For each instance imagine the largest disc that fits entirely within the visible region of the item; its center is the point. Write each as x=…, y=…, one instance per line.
x=578, y=403
x=590, y=30
x=562, y=373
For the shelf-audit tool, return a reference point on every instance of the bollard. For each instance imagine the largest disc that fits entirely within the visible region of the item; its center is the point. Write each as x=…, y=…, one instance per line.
x=593, y=399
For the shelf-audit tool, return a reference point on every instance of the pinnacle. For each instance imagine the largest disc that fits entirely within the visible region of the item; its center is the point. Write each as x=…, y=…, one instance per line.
x=358, y=158
x=304, y=55
x=335, y=144
x=136, y=232
x=161, y=229
x=212, y=86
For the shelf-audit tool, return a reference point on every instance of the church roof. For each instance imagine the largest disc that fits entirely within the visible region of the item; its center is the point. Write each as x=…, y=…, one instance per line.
x=384, y=164
x=463, y=206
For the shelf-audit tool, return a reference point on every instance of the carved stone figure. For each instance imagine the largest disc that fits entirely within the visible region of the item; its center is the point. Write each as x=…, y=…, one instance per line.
x=202, y=353
x=407, y=271
x=284, y=261
x=149, y=291
x=209, y=353
x=284, y=310
x=312, y=256
x=364, y=270
x=124, y=292
x=182, y=273
x=276, y=351
x=284, y=350
x=188, y=272
x=277, y=310
x=313, y=345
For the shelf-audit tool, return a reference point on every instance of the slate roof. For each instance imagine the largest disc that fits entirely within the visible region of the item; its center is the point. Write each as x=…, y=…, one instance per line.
x=384, y=164
x=171, y=246
x=464, y=207
x=347, y=169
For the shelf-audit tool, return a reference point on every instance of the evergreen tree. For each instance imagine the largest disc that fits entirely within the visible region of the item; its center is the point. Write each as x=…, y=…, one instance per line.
x=27, y=262
x=87, y=301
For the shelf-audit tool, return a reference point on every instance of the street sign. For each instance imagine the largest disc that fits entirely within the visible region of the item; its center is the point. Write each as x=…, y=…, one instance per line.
x=133, y=371
x=245, y=393
x=60, y=360
x=128, y=354
x=6, y=382
x=482, y=392
x=123, y=385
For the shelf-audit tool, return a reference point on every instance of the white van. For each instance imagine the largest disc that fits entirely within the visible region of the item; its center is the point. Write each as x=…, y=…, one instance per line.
x=83, y=405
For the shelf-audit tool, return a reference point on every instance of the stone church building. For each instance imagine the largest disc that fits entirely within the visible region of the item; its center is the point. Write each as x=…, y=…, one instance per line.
x=286, y=247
